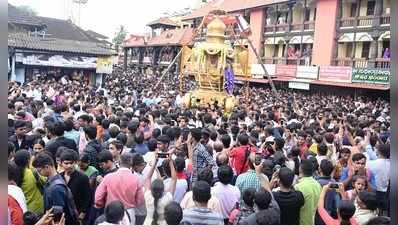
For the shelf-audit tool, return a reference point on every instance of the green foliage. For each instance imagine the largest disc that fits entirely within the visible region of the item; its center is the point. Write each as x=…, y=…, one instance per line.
x=28, y=10
x=119, y=37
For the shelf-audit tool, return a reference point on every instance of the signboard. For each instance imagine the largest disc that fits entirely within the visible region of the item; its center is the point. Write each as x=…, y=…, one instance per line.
x=104, y=65
x=286, y=70
x=258, y=72
x=335, y=73
x=376, y=76
x=307, y=72
x=299, y=85
x=58, y=61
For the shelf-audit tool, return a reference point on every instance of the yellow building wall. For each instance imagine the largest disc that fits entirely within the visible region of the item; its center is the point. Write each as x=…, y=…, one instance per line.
x=341, y=50
x=280, y=52
x=346, y=10
x=269, y=50
x=358, y=50
x=298, y=14
x=363, y=8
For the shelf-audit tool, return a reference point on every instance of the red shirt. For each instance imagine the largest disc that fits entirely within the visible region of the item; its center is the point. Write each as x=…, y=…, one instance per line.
x=16, y=213
x=238, y=155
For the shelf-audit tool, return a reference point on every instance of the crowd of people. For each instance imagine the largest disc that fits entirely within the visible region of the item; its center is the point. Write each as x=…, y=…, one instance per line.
x=129, y=153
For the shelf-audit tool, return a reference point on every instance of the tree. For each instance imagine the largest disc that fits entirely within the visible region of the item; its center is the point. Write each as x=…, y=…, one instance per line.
x=28, y=10
x=119, y=37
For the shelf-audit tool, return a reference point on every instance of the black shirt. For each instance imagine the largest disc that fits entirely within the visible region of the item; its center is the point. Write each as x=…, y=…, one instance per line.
x=290, y=204
x=80, y=187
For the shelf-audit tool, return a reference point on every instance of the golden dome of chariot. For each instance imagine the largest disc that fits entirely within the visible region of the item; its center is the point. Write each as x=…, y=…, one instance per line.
x=216, y=31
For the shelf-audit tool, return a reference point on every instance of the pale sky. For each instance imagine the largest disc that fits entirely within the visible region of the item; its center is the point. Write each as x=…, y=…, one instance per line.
x=105, y=16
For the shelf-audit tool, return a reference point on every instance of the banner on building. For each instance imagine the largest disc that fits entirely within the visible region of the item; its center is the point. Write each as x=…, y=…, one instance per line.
x=307, y=72
x=286, y=70
x=57, y=60
x=375, y=76
x=335, y=73
x=104, y=65
x=299, y=85
x=257, y=71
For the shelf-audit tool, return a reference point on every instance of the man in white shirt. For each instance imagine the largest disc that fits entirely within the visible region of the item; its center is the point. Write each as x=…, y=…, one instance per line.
x=13, y=190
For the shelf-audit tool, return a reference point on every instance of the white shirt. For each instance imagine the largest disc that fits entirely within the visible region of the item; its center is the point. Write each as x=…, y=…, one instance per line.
x=17, y=193
x=228, y=195
x=181, y=188
x=381, y=170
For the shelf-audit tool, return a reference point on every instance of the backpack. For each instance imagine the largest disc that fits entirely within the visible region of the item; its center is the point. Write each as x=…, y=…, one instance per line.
x=70, y=204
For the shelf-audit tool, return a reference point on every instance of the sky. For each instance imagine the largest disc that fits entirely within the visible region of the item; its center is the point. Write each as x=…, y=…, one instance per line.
x=105, y=16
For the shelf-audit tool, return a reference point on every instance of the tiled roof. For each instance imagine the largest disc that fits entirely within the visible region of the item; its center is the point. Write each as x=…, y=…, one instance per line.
x=134, y=41
x=96, y=35
x=163, y=21
x=172, y=37
x=23, y=41
x=17, y=16
x=65, y=29
x=229, y=6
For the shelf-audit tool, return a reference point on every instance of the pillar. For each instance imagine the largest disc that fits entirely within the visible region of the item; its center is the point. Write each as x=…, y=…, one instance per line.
x=13, y=75
x=290, y=16
x=325, y=32
x=374, y=47
x=257, y=23
x=377, y=13
x=125, y=59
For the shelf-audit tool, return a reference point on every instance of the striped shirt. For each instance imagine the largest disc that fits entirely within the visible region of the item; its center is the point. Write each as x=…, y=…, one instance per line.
x=201, y=159
x=248, y=180
x=201, y=216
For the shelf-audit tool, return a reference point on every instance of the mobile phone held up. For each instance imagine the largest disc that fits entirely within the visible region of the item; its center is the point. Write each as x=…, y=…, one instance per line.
x=163, y=155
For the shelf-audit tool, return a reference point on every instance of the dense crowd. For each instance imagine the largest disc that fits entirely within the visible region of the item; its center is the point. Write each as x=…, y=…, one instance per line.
x=128, y=153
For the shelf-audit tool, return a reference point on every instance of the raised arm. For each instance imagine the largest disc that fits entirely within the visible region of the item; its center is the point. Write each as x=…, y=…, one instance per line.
x=148, y=179
x=173, y=176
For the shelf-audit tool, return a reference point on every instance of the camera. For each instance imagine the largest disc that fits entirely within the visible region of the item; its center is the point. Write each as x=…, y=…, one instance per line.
x=163, y=155
x=334, y=185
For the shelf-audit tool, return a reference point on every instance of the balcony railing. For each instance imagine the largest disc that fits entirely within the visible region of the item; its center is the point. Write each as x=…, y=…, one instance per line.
x=379, y=63
x=296, y=27
x=286, y=61
x=382, y=63
x=309, y=25
x=385, y=19
x=347, y=22
x=365, y=21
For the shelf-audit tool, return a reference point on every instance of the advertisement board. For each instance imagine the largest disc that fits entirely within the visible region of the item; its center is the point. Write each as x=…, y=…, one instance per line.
x=104, y=65
x=258, y=72
x=58, y=60
x=375, y=76
x=307, y=72
x=286, y=70
x=335, y=73
x=299, y=85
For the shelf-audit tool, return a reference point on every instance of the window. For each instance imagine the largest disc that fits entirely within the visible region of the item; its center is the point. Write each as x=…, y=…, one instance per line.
x=307, y=14
x=371, y=8
x=365, y=50
x=353, y=11
x=348, y=51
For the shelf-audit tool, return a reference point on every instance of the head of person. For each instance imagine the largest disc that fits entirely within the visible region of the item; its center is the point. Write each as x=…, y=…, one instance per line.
x=126, y=160
x=105, y=160
x=226, y=140
x=345, y=154
x=218, y=146
x=359, y=161
x=114, y=131
x=116, y=148
x=152, y=144
x=44, y=164
x=322, y=149
x=90, y=132
x=360, y=183
x=286, y=177
x=222, y=159
x=301, y=137
x=68, y=125
x=38, y=146
x=225, y=174
x=84, y=120
x=139, y=137
x=157, y=190
x=11, y=150
x=20, y=128
x=179, y=164
x=243, y=139
x=173, y=213
x=84, y=162
x=206, y=174
x=383, y=151
x=196, y=134
x=114, y=212
x=326, y=168
x=201, y=192
x=345, y=211
x=367, y=200
x=163, y=143
x=248, y=196
x=138, y=163
x=14, y=174
x=22, y=158
x=306, y=168
x=69, y=159
x=122, y=137
x=262, y=199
